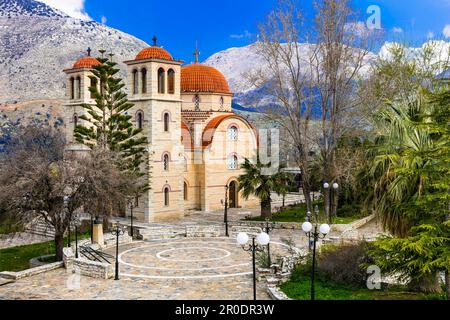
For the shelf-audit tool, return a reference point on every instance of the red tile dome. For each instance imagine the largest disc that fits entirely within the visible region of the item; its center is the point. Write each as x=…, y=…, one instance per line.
x=154, y=52
x=86, y=63
x=199, y=77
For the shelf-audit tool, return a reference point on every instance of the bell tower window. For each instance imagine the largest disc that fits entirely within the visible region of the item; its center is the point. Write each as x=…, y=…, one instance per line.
x=144, y=80
x=166, y=122
x=135, y=82
x=72, y=88
x=78, y=86
x=140, y=119
x=166, y=161
x=166, y=196
x=93, y=85
x=75, y=121
x=171, y=81
x=161, y=80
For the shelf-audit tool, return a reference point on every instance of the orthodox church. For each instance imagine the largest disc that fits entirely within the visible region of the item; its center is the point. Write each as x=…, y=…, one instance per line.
x=195, y=141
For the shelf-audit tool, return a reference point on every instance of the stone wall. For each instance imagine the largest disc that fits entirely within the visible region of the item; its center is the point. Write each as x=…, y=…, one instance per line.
x=203, y=231
x=31, y=272
x=86, y=267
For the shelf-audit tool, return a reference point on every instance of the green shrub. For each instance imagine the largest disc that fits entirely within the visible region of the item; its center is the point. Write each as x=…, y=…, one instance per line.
x=344, y=263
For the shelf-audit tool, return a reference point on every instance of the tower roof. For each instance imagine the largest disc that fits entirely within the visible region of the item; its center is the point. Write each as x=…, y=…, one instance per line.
x=154, y=52
x=86, y=62
x=198, y=77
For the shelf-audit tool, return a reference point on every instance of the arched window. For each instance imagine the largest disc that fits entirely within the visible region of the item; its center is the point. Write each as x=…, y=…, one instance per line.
x=93, y=85
x=135, y=82
x=75, y=120
x=185, y=191
x=144, y=80
x=232, y=133
x=171, y=81
x=140, y=119
x=221, y=102
x=72, y=88
x=196, y=101
x=232, y=162
x=166, y=122
x=166, y=196
x=166, y=161
x=161, y=80
x=78, y=88
x=185, y=163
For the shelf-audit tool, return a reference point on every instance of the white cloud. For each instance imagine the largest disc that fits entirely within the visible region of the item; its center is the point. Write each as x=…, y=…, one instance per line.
x=446, y=31
x=430, y=35
x=397, y=30
x=104, y=20
x=246, y=34
x=73, y=8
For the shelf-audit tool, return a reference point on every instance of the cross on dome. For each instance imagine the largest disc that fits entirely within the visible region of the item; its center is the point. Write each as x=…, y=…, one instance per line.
x=155, y=39
x=196, y=54
x=89, y=50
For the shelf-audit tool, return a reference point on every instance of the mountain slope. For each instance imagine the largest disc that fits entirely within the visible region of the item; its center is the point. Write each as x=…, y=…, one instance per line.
x=37, y=42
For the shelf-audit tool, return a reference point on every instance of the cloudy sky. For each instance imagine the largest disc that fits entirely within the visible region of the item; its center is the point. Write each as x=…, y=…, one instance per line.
x=218, y=25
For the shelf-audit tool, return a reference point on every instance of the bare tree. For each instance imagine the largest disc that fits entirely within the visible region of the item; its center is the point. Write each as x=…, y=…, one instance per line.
x=306, y=79
x=38, y=179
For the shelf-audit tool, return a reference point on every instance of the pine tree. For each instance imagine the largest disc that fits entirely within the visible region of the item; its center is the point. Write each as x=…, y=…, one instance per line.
x=108, y=125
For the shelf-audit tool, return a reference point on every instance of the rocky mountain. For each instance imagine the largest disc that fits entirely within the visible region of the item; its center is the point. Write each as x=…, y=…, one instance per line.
x=37, y=42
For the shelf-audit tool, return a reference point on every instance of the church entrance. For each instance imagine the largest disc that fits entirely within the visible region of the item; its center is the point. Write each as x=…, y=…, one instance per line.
x=233, y=194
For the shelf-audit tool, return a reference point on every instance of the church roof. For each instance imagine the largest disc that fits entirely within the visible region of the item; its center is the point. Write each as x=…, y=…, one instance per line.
x=86, y=63
x=210, y=129
x=154, y=52
x=198, y=77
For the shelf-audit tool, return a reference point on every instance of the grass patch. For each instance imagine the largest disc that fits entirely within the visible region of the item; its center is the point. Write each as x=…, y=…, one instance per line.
x=8, y=225
x=297, y=213
x=299, y=289
x=18, y=258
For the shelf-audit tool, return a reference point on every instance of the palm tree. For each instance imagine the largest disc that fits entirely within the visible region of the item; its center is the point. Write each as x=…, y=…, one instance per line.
x=255, y=182
x=398, y=169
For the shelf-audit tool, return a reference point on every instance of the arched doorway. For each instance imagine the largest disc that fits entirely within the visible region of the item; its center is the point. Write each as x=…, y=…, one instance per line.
x=233, y=194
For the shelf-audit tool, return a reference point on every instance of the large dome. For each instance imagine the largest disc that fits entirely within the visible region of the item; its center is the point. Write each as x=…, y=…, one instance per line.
x=86, y=63
x=198, y=77
x=154, y=52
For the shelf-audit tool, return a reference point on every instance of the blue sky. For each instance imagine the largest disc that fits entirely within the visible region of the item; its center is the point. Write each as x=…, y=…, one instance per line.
x=218, y=25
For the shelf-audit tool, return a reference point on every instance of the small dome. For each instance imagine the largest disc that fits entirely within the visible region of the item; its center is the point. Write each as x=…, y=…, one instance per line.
x=86, y=63
x=199, y=77
x=154, y=52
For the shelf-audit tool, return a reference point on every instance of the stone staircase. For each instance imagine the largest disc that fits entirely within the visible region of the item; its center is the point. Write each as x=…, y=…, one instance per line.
x=290, y=198
x=162, y=233
x=41, y=228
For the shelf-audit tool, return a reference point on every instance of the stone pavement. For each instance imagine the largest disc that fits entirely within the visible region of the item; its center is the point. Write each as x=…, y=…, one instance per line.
x=58, y=285
x=186, y=268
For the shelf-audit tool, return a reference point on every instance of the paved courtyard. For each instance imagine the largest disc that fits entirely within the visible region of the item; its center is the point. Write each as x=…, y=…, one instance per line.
x=192, y=269
x=185, y=268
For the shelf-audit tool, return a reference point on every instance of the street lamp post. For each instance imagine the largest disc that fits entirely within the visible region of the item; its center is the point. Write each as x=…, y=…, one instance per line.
x=316, y=233
x=76, y=223
x=66, y=208
x=331, y=210
x=268, y=228
x=131, y=216
x=117, y=231
x=262, y=240
x=225, y=214
x=92, y=228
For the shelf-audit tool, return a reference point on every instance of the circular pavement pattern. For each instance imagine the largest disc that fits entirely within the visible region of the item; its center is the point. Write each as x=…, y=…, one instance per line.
x=190, y=259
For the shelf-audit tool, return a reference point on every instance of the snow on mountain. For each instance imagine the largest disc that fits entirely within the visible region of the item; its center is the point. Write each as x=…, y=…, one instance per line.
x=37, y=42
x=237, y=65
